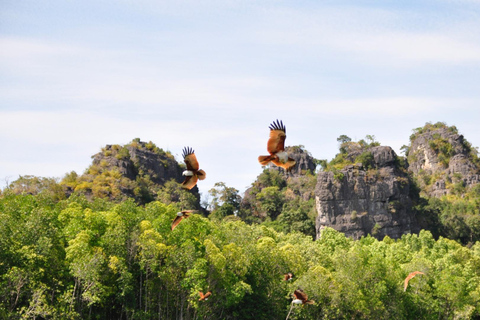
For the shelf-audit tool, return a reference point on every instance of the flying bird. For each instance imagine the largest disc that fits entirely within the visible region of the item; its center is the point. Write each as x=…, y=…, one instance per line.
x=180, y=216
x=288, y=276
x=301, y=297
x=204, y=296
x=276, y=148
x=193, y=173
x=410, y=276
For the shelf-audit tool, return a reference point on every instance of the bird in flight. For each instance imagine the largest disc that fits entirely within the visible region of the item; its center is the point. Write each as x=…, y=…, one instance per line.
x=288, y=276
x=180, y=216
x=410, y=276
x=204, y=296
x=301, y=297
x=192, y=174
x=276, y=147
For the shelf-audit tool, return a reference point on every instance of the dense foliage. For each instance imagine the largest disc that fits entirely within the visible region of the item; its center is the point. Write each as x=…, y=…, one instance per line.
x=284, y=203
x=79, y=259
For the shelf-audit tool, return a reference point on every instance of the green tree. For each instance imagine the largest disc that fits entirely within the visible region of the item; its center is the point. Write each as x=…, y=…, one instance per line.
x=225, y=200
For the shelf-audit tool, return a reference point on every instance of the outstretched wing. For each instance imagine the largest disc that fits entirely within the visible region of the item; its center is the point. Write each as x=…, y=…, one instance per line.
x=190, y=182
x=176, y=221
x=190, y=159
x=410, y=276
x=204, y=296
x=287, y=165
x=278, y=133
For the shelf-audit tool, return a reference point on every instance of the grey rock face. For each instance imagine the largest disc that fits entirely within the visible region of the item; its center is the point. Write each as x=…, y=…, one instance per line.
x=424, y=160
x=304, y=162
x=366, y=202
x=424, y=157
x=160, y=168
x=144, y=168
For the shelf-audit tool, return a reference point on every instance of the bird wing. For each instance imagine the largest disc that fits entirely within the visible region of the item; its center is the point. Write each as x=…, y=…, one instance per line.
x=208, y=294
x=300, y=295
x=190, y=182
x=190, y=159
x=287, y=165
x=176, y=221
x=410, y=276
x=276, y=142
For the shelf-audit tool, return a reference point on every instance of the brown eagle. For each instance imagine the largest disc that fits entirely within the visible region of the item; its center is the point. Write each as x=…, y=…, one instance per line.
x=301, y=297
x=180, y=216
x=287, y=276
x=192, y=174
x=204, y=296
x=276, y=147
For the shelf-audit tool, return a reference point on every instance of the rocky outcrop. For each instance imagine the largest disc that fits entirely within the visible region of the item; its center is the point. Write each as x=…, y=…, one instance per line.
x=137, y=170
x=440, y=158
x=358, y=202
x=159, y=166
x=421, y=155
x=304, y=162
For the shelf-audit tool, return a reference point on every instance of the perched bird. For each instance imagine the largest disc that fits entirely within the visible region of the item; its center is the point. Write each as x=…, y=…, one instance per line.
x=410, y=276
x=192, y=174
x=288, y=276
x=276, y=148
x=301, y=297
x=204, y=296
x=180, y=216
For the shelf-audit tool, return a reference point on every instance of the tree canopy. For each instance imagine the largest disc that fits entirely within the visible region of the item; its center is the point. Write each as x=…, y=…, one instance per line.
x=80, y=259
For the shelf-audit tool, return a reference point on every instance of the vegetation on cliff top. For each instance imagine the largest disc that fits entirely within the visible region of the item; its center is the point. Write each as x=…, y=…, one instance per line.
x=455, y=215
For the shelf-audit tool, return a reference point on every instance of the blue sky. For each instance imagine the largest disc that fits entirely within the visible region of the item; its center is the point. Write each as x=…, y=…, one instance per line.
x=77, y=75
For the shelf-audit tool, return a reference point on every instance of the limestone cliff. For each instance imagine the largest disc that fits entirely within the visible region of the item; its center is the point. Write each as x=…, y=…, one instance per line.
x=360, y=199
x=137, y=160
x=137, y=170
x=442, y=159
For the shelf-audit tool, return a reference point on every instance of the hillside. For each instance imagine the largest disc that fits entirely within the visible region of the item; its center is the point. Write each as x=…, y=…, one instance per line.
x=100, y=246
x=365, y=189
x=368, y=189
x=138, y=170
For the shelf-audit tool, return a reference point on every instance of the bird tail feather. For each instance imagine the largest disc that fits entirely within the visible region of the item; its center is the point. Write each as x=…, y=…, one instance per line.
x=201, y=174
x=264, y=160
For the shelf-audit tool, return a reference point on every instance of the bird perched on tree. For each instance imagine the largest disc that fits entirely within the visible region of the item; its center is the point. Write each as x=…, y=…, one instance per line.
x=180, y=216
x=301, y=297
x=276, y=147
x=192, y=174
x=410, y=276
x=204, y=296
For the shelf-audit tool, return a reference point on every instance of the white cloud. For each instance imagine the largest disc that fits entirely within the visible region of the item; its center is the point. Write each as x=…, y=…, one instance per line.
x=373, y=36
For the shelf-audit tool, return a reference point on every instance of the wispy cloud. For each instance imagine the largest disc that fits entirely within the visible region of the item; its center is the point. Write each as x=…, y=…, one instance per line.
x=214, y=74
